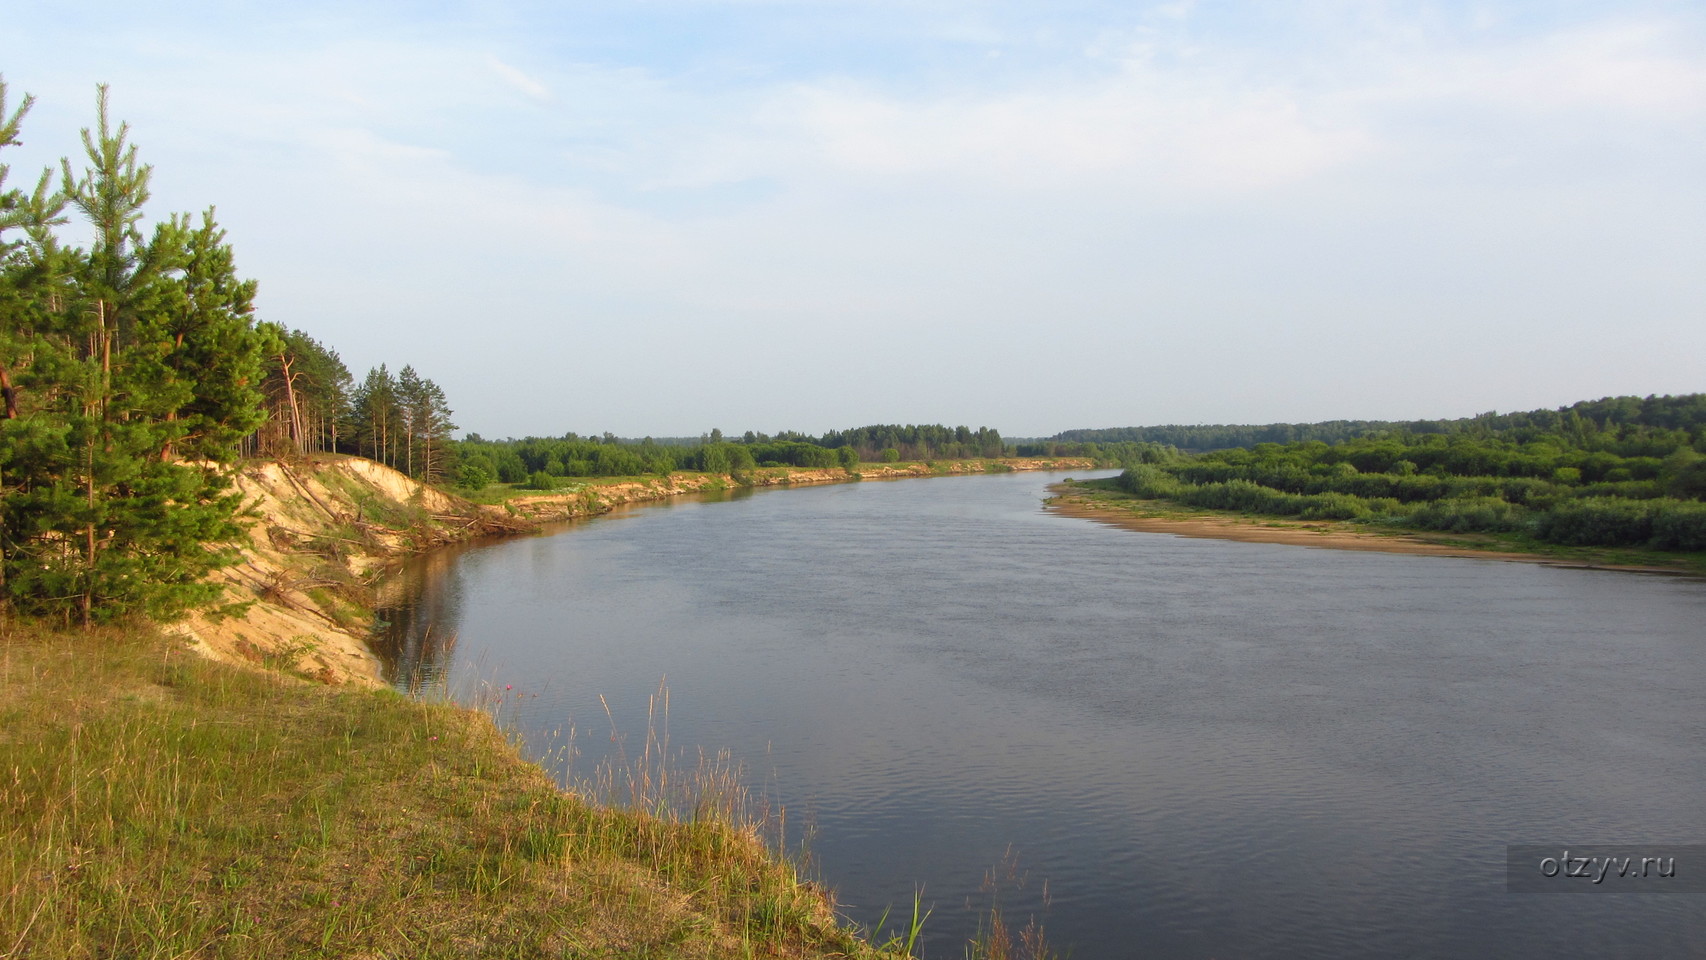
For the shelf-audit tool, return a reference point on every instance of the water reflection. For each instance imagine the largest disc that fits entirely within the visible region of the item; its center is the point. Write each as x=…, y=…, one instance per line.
x=417, y=620
x=418, y=610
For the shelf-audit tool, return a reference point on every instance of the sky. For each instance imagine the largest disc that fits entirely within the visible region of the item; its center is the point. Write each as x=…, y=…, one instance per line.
x=658, y=217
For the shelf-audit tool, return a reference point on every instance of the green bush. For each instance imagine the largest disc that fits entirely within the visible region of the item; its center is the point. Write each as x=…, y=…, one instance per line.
x=1468, y=515
x=1246, y=496
x=1598, y=522
x=1666, y=524
x=473, y=476
x=1679, y=525
x=1143, y=480
x=1336, y=506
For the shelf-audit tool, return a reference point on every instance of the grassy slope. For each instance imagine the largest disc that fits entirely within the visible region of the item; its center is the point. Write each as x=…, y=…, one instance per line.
x=157, y=804
x=1102, y=494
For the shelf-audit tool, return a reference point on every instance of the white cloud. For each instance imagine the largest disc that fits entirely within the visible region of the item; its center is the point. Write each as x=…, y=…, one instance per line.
x=1140, y=133
x=519, y=80
x=1609, y=69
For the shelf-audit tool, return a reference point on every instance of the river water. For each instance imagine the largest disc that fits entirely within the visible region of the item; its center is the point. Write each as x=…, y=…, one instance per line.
x=1178, y=747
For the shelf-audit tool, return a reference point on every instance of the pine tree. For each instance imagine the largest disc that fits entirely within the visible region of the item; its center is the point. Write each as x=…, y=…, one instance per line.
x=216, y=352
x=132, y=356
x=377, y=415
x=424, y=418
x=22, y=283
x=434, y=426
x=411, y=405
x=309, y=393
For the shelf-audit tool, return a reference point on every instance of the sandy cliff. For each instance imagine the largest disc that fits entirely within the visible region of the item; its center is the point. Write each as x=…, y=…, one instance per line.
x=320, y=530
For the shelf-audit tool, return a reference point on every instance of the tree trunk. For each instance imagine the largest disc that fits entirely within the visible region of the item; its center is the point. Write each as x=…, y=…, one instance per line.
x=10, y=394
x=290, y=396
x=89, y=540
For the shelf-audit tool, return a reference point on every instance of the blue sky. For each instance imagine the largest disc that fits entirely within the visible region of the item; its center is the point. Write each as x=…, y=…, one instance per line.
x=663, y=217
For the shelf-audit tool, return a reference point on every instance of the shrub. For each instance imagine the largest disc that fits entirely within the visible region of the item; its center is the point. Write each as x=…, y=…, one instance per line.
x=1143, y=480
x=1598, y=522
x=472, y=476
x=1245, y=496
x=1679, y=525
x=1468, y=514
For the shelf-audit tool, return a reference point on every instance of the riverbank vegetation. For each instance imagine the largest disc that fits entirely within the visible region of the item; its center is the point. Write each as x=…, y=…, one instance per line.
x=159, y=804
x=1622, y=472
x=540, y=463
x=524, y=461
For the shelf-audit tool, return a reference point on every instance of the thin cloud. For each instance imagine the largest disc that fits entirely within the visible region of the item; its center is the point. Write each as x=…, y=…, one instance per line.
x=519, y=80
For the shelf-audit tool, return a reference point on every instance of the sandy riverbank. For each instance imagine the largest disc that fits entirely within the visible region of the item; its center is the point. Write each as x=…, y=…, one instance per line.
x=1072, y=502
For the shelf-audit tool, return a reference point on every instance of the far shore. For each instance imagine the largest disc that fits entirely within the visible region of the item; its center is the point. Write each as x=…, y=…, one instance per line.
x=1072, y=501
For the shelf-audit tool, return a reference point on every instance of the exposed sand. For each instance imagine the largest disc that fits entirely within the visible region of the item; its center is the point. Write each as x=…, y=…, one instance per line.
x=1069, y=502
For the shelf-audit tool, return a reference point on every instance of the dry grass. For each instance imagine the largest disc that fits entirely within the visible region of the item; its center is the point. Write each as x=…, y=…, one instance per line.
x=155, y=804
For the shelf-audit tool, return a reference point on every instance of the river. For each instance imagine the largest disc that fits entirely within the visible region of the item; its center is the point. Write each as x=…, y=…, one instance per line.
x=1179, y=747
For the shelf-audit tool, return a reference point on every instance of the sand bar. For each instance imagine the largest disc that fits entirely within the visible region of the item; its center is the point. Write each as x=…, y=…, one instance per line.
x=1070, y=502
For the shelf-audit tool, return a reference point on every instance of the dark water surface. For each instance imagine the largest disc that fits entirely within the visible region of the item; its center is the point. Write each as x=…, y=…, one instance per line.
x=1206, y=748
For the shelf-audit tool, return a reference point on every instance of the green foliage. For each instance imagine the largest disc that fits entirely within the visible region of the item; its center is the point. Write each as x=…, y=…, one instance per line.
x=1659, y=419
x=1468, y=514
x=1683, y=474
x=475, y=475
x=512, y=461
x=130, y=370
x=1679, y=525
x=914, y=441
x=308, y=396
x=1603, y=521
x=1563, y=477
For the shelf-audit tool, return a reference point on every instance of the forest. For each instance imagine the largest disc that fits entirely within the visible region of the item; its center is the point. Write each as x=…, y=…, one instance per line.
x=314, y=405
x=1620, y=471
x=1201, y=438
x=537, y=461
x=133, y=373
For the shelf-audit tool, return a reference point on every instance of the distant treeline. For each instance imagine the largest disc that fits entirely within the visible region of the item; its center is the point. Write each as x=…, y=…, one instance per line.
x=537, y=461
x=1622, y=471
x=1668, y=412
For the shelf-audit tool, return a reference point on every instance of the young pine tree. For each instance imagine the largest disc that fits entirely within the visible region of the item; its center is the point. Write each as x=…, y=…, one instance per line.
x=139, y=376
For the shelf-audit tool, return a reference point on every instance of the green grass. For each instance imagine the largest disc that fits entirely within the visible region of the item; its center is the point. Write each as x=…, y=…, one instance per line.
x=155, y=804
